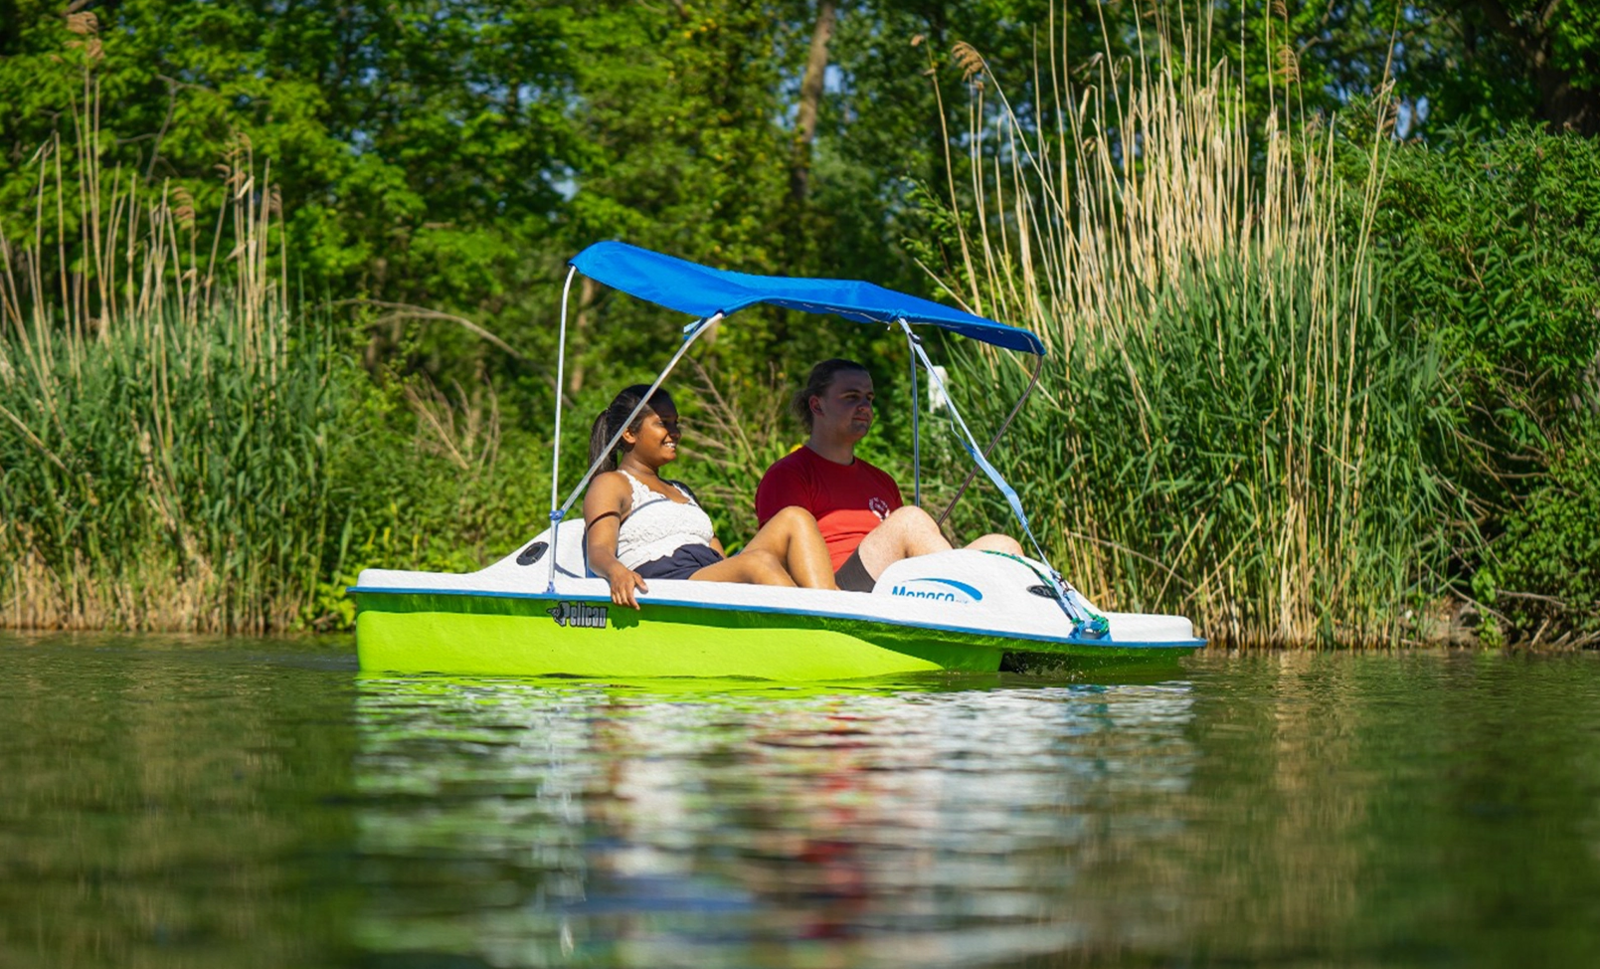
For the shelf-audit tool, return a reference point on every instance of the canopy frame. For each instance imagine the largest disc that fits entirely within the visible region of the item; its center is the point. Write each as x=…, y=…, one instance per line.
x=744, y=290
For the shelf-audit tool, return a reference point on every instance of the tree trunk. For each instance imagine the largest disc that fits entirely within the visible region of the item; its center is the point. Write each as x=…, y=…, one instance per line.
x=805, y=127
x=1563, y=105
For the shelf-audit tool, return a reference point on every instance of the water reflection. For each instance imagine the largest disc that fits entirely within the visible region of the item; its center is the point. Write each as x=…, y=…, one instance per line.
x=165, y=802
x=527, y=824
x=258, y=804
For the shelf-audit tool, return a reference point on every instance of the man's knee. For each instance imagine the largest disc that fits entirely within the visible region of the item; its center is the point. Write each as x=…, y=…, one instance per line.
x=912, y=519
x=996, y=542
x=908, y=531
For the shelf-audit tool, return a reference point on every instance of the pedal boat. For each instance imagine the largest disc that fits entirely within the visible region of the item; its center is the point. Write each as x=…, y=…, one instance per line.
x=539, y=612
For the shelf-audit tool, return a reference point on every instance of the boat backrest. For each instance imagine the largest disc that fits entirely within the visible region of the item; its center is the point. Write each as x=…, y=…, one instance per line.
x=571, y=556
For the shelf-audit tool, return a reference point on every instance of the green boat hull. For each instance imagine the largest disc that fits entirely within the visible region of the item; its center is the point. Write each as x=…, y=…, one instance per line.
x=536, y=635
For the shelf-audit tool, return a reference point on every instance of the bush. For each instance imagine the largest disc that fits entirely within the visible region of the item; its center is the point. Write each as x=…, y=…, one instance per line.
x=1543, y=574
x=1494, y=243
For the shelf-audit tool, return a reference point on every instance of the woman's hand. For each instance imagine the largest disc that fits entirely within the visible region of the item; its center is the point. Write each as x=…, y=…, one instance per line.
x=604, y=507
x=623, y=583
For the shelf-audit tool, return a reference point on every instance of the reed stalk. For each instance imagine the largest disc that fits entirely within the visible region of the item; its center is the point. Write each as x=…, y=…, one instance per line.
x=1232, y=424
x=169, y=431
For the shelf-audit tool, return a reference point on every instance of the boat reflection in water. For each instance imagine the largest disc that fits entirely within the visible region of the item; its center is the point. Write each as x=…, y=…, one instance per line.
x=926, y=821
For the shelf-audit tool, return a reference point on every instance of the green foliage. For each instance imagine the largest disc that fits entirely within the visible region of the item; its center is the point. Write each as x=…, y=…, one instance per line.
x=1235, y=426
x=1238, y=460
x=451, y=153
x=415, y=147
x=1446, y=62
x=172, y=460
x=1497, y=241
x=1496, y=244
x=435, y=483
x=1545, y=571
x=195, y=477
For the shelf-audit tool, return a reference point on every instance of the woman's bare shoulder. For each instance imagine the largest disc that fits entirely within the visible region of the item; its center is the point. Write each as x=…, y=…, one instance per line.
x=609, y=486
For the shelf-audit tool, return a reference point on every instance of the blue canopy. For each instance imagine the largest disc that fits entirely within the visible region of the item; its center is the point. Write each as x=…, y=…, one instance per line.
x=701, y=291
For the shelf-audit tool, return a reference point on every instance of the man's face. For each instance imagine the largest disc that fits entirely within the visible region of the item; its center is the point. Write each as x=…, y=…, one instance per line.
x=844, y=412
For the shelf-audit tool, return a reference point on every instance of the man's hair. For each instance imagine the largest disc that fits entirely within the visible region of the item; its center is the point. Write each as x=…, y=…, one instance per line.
x=822, y=376
x=610, y=419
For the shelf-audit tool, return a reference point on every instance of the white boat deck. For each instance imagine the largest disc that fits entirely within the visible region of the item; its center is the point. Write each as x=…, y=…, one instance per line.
x=957, y=590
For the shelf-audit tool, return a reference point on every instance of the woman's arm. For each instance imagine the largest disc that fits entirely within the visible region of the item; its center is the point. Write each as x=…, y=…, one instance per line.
x=604, y=506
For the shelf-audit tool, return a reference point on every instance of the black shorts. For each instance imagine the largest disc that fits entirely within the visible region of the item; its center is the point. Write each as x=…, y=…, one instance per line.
x=681, y=564
x=853, y=576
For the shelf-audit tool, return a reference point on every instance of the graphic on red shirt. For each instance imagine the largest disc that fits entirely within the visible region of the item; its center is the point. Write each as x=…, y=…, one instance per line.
x=847, y=500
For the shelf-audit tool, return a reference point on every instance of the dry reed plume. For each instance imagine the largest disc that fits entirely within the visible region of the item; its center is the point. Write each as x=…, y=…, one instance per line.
x=147, y=372
x=1230, y=423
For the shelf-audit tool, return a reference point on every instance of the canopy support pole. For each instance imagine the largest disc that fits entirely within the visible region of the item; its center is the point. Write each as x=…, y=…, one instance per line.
x=691, y=333
x=1085, y=620
x=561, y=361
x=1038, y=368
x=916, y=437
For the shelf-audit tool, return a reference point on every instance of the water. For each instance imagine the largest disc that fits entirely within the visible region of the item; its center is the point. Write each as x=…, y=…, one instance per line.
x=170, y=802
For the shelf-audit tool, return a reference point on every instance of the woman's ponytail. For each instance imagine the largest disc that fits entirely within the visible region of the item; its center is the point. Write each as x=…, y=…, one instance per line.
x=611, y=420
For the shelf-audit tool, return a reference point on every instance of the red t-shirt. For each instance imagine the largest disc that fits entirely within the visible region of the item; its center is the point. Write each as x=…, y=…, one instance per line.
x=847, y=500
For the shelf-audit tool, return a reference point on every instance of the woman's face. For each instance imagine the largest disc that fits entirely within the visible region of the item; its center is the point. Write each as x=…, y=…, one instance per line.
x=656, y=441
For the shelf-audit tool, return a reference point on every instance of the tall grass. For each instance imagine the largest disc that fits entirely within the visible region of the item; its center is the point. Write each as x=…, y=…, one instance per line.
x=169, y=431
x=1232, y=424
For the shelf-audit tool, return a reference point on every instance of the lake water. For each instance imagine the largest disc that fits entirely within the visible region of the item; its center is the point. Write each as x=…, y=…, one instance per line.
x=258, y=803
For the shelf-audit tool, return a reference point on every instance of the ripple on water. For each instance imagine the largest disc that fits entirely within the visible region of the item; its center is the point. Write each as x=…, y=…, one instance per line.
x=258, y=803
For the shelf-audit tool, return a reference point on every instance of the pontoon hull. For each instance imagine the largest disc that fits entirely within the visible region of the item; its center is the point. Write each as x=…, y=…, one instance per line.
x=499, y=635
x=952, y=611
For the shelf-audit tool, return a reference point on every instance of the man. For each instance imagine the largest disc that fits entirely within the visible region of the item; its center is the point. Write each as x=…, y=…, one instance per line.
x=857, y=506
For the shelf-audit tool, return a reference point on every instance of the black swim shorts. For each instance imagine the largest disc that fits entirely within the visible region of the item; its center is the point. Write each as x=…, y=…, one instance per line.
x=853, y=575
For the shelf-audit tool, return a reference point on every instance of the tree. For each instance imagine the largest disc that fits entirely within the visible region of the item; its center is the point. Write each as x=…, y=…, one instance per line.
x=412, y=142
x=1478, y=61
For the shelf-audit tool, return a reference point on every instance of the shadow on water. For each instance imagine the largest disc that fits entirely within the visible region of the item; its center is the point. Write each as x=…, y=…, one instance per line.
x=258, y=803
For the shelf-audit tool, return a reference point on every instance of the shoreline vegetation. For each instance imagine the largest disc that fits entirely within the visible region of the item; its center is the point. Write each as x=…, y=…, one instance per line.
x=1235, y=404
x=1309, y=383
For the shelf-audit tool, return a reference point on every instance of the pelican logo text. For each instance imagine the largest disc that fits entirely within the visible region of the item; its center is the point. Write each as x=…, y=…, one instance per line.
x=939, y=590
x=579, y=615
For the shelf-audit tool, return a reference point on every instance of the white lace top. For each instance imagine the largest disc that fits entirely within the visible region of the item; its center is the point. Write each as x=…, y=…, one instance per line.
x=657, y=526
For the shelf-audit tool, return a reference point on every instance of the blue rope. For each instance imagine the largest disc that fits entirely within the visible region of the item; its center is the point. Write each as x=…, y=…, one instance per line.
x=1086, y=621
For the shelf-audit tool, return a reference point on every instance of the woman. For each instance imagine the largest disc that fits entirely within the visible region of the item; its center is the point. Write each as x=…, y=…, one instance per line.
x=642, y=527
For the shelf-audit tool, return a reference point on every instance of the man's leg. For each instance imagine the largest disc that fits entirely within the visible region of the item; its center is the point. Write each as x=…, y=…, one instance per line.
x=995, y=542
x=906, y=533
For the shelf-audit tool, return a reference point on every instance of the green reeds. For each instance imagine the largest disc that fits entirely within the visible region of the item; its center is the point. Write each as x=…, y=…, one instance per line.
x=168, y=431
x=1232, y=425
